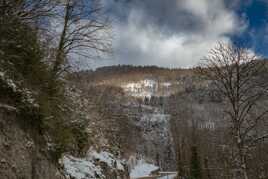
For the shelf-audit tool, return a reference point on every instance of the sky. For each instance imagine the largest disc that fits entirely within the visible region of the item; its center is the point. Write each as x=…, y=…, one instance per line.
x=178, y=33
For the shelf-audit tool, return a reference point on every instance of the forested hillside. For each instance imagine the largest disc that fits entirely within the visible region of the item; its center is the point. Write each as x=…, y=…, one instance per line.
x=180, y=123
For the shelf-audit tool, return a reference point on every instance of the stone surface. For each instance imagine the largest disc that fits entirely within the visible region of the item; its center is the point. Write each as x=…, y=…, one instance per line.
x=20, y=156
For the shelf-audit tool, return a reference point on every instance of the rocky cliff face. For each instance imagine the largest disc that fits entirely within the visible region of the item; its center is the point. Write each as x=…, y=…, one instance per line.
x=156, y=142
x=20, y=155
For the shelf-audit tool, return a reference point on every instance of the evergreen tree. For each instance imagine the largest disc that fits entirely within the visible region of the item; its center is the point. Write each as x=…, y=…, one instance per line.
x=195, y=170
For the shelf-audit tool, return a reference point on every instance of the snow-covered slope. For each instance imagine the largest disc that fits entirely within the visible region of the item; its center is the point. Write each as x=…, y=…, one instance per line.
x=142, y=88
x=92, y=166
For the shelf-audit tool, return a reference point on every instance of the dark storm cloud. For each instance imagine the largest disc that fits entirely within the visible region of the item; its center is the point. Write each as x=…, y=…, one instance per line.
x=166, y=15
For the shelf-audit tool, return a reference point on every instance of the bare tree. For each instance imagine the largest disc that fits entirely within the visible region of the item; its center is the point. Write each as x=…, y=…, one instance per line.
x=85, y=31
x=237, y=75
x=27, y=10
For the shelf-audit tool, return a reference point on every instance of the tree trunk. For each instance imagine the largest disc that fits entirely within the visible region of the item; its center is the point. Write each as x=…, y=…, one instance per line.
x=244, y=167
x=60, y=54
x=242, y=156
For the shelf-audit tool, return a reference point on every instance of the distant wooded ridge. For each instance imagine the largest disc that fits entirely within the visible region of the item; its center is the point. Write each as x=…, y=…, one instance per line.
x=131, y=72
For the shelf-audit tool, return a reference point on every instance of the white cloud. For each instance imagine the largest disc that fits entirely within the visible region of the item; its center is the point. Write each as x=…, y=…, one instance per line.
x=218, y=20
x=141, y=43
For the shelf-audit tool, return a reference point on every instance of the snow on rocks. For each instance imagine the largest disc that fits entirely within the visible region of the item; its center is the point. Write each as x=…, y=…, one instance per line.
x=89, y=167
x=8, y=82
x=80, y=168
x=108, y=158
x=27, y=95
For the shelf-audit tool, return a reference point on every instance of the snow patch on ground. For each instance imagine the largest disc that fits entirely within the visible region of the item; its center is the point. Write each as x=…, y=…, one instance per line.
x=142, y=169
